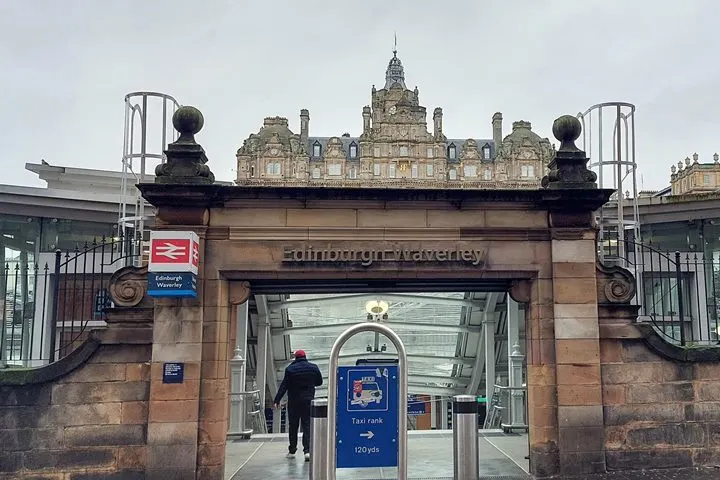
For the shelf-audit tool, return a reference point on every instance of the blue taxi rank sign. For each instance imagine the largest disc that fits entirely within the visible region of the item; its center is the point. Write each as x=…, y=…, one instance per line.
x=367, y=416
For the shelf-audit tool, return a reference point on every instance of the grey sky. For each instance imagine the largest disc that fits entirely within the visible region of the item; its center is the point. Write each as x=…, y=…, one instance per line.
x=67, y=65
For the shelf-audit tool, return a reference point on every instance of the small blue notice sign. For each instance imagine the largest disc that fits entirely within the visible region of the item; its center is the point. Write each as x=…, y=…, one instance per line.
x=173, y=372
x=172, y=284
x=367, y=416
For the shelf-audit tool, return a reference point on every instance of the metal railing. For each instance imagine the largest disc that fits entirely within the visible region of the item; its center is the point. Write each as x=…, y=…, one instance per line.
x=677, y=291
x=49, y=303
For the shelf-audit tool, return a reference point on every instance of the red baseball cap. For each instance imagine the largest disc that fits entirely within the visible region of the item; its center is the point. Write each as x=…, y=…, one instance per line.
x=299, y=353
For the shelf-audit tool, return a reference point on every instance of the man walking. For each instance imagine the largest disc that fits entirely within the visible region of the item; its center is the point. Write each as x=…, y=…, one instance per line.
x=301, y=378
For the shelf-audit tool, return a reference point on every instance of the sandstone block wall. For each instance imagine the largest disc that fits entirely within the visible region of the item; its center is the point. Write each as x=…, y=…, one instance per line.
x=659, y=413
x=88, y=424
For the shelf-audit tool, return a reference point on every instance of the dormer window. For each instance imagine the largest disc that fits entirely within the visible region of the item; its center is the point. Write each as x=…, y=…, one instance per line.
x=527, y=171
x=353, y=150
x=451, y=153
x=404, y=151
x=487, y=175
x=317, y=149
x=273, y=168
x=353, y=173
x=486, y=152
x=316, y=173
x=452, y=174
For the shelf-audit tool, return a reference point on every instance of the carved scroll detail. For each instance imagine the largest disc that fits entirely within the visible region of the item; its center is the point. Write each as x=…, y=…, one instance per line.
x=239, y=292
x=128, y=286
x=615, y=284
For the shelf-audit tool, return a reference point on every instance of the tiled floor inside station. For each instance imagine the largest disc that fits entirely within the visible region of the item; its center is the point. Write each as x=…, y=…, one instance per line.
x=430, y=456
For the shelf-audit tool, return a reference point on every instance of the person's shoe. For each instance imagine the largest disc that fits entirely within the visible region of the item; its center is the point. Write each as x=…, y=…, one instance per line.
x=290, y=455
x=307, y=457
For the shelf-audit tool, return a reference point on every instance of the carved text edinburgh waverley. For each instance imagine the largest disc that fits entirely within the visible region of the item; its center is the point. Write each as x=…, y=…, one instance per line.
x=368, y=256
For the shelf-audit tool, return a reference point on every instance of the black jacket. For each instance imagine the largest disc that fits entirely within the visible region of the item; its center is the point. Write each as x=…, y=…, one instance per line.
x=301, y=378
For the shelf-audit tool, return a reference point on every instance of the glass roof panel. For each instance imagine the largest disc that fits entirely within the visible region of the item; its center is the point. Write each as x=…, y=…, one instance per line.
x=411, y=315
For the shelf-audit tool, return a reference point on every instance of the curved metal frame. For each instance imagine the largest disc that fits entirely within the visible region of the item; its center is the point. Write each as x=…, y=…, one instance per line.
x=622, y=164
x=331, y=461
x=136, y=107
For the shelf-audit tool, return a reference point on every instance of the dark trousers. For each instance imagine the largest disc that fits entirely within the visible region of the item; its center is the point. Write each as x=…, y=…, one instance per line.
x=299, y=411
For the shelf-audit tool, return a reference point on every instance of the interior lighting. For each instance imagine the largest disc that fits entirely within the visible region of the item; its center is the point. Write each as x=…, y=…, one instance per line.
x=376, y=307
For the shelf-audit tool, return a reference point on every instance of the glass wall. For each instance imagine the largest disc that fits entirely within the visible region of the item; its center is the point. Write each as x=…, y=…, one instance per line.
x=22, y=240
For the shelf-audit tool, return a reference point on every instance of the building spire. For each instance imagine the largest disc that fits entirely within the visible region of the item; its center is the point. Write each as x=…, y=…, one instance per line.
x=395, y=74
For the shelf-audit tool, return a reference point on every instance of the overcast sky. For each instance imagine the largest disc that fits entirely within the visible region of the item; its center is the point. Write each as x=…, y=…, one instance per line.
x=67, y=66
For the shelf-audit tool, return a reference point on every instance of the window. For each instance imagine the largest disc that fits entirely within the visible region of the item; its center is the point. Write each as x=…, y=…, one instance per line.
x=429, y=170
x=391, y=171
x=527, y=171
x=414, y=171
x=273, y=168
x=376, y=152
x=706, y=179
x=451, y=151
x=317, y=149
x=334, y=169
x=452, y=174
x=352, y=173
x=252, y=171
x=470, y=171
x=353, y=150
x=404, y=151
x=316, y=172
x=487, y=175
x=430, y=152
x=486, y=152
x=376, y=169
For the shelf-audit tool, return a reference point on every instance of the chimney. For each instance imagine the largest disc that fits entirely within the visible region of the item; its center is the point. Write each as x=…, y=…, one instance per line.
x=497, y=129
x=366, y=119
x=304, y=125
x=437, y=120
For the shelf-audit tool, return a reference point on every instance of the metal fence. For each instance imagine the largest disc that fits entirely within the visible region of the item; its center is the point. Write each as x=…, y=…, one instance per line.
x=677, y=291
x=49, y=303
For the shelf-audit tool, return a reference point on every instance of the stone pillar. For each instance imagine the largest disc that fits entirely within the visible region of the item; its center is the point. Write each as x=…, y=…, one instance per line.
x=575, y=304
x=173, y=409
x=577, y=347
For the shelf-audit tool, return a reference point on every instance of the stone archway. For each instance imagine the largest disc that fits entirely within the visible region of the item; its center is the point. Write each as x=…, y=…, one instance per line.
x=542, y=240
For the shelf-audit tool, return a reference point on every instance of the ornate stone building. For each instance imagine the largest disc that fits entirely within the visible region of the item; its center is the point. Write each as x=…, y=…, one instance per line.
x=695, y=177
x=394, y=148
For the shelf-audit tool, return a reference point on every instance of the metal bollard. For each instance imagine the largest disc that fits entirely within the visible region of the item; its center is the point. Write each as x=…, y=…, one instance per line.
x=318, y=439
x=465, y=438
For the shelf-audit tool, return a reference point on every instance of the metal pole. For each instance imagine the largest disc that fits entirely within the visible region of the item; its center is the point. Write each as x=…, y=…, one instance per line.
x=331, y=460
x=318, y=438
x=681, y=312
x=466, y=464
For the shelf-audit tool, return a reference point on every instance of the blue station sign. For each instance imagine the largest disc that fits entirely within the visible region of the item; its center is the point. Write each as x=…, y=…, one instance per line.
x=367, y=416
x=172, y=284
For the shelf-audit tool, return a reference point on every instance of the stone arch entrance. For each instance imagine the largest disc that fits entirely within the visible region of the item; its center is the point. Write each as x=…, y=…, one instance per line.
x=538, y=244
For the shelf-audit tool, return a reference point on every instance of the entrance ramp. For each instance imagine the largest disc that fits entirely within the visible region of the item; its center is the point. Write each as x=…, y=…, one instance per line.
x=430, y=456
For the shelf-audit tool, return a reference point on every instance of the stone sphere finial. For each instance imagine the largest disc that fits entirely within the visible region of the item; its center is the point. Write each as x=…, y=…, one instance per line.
x=567, y=129
x=188, y=121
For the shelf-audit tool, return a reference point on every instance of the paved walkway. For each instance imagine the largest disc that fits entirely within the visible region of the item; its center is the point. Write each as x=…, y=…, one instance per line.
x=429, y=457
x=669, y=474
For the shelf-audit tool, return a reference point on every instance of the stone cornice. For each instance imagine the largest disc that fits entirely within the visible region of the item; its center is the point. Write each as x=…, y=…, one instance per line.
x=177, y=195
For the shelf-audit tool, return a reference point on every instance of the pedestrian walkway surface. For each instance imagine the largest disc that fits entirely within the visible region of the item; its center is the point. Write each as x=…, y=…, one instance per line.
x=430, y=456
x=669, y=474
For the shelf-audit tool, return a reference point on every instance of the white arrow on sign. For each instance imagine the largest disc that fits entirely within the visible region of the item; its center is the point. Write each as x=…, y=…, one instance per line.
x=171, y=251
x=369, y=435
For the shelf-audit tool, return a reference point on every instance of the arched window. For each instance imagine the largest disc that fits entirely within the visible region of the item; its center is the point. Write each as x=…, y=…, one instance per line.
x=317, y=149
x=353, y=150
x=252, y=171
x=451, y=152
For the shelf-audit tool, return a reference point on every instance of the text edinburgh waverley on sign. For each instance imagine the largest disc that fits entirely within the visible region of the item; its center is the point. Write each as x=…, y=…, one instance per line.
x=173, y=267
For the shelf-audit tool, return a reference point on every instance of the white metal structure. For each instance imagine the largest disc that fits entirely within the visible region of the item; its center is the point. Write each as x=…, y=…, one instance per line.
x=608, y=138
x=148, y=130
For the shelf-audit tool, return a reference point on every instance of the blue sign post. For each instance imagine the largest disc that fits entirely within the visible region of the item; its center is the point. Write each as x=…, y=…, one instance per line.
x=367, y=416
